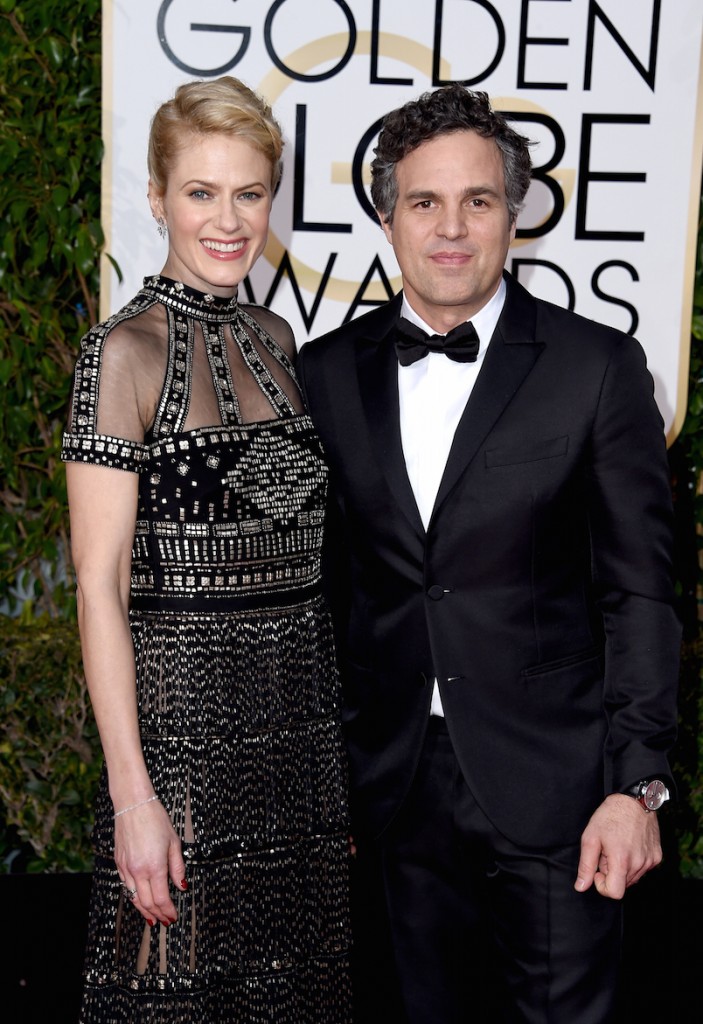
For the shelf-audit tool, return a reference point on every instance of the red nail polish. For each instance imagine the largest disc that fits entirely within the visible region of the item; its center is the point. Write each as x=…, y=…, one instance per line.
x=150, y=922
x=184, y=884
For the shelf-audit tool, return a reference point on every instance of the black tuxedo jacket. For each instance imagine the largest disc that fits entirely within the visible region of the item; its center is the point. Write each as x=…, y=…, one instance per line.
x=540, y=595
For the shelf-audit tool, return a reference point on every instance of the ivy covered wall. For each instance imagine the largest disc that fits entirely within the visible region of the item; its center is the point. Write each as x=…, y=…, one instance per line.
x=50, y=237
x=50, y=240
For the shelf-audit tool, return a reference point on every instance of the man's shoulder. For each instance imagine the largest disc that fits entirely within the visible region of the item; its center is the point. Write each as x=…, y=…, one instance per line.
x=578, y=324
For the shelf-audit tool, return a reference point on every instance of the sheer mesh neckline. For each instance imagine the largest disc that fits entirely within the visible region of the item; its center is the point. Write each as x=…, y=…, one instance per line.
x=199, y=305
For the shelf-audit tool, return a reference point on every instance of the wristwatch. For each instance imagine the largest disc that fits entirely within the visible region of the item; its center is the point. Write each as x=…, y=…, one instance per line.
x=651, y=793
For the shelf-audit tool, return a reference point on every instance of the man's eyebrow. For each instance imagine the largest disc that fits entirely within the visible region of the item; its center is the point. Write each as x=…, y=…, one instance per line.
x=482, y=190
x=468, y=193
x=422, y=193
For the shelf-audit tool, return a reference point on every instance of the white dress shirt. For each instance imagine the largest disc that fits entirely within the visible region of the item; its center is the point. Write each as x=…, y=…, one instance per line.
x=433, y=393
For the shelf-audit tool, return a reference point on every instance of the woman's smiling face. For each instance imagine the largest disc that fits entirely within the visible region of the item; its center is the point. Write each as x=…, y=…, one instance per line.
x=216, y=207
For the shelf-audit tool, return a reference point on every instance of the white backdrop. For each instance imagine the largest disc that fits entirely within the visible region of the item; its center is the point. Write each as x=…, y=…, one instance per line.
x=610, y=90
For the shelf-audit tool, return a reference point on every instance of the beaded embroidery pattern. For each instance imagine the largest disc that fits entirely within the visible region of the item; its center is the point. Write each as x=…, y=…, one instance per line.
x=237, y=693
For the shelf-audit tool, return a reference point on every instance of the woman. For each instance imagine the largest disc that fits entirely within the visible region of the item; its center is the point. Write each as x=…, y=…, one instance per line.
x=220, y=837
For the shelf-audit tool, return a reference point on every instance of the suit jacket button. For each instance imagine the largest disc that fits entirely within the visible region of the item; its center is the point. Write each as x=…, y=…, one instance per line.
x=436, y=592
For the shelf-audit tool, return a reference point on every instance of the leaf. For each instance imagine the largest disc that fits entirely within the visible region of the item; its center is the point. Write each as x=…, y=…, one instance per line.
x=54, y=49
x=59, y=196
x=116, y=267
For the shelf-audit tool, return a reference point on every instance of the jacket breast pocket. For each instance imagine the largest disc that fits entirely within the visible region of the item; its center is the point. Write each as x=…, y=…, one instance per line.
x=527, y=451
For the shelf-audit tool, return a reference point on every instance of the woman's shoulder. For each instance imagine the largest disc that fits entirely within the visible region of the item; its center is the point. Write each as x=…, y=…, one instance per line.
x=138, y=327
x=275, y=325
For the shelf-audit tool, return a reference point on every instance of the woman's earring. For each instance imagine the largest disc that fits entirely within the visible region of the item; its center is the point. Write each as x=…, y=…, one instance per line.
x=161, y=227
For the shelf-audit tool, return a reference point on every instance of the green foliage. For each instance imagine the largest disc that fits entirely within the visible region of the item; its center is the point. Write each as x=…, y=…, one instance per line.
x=50, y=243
x=50, y=240
x=692, y=432
x=689, y=766
x=50, y=757
x=687, y=812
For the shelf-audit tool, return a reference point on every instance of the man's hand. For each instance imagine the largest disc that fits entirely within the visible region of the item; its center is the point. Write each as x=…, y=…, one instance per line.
x=619, y=845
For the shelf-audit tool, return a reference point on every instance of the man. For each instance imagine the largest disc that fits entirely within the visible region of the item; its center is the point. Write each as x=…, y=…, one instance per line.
x=502, y=588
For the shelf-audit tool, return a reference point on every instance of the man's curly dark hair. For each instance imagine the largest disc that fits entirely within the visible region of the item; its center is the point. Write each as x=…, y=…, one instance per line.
x=453, y=108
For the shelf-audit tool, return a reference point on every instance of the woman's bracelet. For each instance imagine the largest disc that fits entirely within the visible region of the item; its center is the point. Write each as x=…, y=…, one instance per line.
x=133, y=807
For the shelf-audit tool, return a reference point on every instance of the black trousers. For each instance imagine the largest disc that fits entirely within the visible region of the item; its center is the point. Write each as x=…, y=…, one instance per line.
x=475, y=920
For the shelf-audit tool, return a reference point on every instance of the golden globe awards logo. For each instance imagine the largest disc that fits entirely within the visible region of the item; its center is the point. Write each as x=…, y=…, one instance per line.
x=609, y=91
x=308, y=56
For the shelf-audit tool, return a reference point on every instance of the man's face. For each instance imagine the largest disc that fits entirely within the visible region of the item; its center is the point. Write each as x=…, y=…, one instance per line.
x=451, y=228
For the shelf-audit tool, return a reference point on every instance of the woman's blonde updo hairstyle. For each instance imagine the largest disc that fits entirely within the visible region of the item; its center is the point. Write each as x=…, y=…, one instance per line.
x=222, y=106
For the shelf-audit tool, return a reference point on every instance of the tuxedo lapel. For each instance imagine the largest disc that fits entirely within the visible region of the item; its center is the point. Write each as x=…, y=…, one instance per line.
x=377, y=368
x=511, y=355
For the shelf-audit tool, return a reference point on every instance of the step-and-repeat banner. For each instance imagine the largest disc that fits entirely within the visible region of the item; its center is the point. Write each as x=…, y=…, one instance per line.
x=611, y=92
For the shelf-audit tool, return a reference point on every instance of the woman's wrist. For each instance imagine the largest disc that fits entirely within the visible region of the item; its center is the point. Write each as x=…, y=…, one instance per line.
x=133, y=807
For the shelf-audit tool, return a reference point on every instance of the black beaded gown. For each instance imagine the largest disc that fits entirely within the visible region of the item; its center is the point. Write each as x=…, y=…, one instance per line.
x=237, y=686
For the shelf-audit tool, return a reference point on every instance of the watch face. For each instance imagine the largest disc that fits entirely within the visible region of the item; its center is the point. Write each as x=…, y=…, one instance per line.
x=655, y=794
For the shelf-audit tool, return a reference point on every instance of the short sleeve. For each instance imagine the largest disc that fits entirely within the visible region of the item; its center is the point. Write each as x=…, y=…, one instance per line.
x=104, y=426
x=103, y=450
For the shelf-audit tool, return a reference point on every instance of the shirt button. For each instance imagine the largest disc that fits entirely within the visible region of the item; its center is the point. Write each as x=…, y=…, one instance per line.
x=436, y=592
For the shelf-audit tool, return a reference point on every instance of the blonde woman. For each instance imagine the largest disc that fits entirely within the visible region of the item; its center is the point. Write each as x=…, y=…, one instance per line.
x=196, y=490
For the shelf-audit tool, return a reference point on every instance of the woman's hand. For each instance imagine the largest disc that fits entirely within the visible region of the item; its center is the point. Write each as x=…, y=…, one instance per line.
x=147, y=854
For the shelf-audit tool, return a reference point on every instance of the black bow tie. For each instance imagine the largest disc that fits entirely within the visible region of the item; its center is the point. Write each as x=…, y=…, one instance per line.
x=412, y=343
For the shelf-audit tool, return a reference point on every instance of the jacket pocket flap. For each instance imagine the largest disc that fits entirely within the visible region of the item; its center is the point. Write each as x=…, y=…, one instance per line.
x=533, y=451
